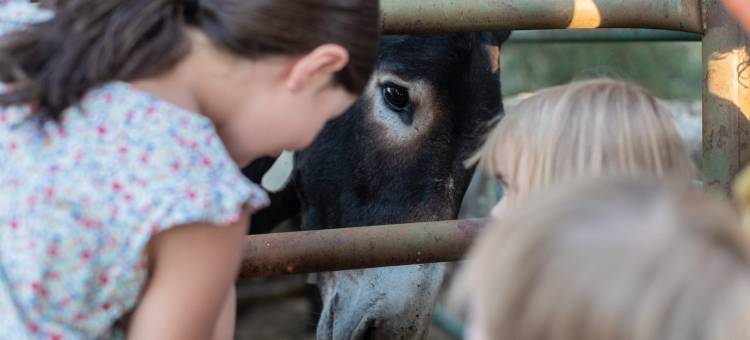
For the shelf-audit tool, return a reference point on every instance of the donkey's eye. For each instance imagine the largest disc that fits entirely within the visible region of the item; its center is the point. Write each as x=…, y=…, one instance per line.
x=397, y=97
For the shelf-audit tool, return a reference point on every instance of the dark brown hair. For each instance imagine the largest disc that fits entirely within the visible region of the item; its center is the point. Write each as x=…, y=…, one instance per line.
x=53, y=64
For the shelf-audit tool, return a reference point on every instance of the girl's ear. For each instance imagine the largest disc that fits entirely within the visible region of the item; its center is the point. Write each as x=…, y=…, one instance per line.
x=317, y=67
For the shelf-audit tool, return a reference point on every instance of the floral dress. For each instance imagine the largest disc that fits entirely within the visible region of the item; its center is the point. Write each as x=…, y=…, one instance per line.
x=80, y=200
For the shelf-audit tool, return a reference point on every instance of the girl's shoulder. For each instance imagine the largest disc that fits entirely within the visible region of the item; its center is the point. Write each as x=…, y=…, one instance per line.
x=178, y=153
x=127, y=148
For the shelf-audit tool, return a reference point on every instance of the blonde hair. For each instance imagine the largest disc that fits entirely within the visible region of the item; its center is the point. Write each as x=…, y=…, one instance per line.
x=587, y=128
x=615, y=260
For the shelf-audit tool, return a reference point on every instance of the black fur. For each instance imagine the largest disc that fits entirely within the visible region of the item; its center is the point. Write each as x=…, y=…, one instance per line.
x=346, y=179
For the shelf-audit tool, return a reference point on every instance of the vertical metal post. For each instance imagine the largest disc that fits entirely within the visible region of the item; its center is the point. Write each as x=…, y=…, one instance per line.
x=726, y=97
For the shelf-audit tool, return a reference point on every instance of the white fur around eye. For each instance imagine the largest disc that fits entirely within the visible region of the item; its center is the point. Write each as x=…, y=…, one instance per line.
x=397, y=130
x=394, y=130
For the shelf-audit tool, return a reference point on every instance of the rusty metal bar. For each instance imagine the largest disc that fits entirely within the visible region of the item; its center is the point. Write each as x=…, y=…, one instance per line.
x=600, y=35
x=726, y=98
x=355, y=248
x=434, y=16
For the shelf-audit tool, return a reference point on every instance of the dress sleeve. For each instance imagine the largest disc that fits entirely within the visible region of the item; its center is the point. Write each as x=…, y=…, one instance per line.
x=197, y=181
x=15, y=14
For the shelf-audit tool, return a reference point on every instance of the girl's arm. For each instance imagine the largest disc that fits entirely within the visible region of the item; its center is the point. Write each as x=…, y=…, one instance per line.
x=193, y=269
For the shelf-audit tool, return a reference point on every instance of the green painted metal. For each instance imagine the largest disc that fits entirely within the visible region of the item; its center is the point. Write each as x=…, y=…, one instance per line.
x=432, y=16
x=726, y=98
x=451, y=326
x=600, y=35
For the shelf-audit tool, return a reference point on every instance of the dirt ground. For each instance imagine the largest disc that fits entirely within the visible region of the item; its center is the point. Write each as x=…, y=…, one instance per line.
x=276, y=309
x=286, y=319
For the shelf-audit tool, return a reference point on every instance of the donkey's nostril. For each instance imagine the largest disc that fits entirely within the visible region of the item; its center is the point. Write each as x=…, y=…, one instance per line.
x=366, y=330
x=369, y=333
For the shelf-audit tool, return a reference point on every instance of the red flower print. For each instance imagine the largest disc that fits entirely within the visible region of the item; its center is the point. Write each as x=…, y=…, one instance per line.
x=86, y=255
x=52, y=251
x=89, y=223
x=54, y=336
x=123, y=150
x=14, y=224
x=117, y=186
x=49, y=193
x=206, y=161
x=39, y=289
x=176, y=166
x=102, y=130
x=106, y=306
x=34, y=328
x=13, y=146
x=103, y=279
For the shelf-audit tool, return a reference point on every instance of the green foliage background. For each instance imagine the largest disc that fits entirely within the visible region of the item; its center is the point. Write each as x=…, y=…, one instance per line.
x=672, y=70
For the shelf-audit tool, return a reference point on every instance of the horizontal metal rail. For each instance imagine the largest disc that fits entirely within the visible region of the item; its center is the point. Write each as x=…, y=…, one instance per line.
x=600, y=35
x=355, y=248
x=434, y=16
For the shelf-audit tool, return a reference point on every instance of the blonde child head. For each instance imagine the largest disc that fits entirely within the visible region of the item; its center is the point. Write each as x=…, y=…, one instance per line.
x=615, y=260
x=584, y=129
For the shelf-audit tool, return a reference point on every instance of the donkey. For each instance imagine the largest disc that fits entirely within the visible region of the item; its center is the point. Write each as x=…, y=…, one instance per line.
x=396, y=156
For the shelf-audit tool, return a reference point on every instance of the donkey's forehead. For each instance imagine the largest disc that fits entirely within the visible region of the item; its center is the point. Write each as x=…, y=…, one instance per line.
x=422, y=55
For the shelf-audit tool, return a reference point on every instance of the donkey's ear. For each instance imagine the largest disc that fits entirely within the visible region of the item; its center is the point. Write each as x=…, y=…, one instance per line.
x=495, y=38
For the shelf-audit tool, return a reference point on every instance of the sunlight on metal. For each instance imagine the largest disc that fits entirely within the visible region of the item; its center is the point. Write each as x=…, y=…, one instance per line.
x=585, y=15
x=726, y=98
x=727, y=85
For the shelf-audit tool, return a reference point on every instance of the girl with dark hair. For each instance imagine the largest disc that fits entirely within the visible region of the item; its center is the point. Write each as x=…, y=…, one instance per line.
x=123, y=124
